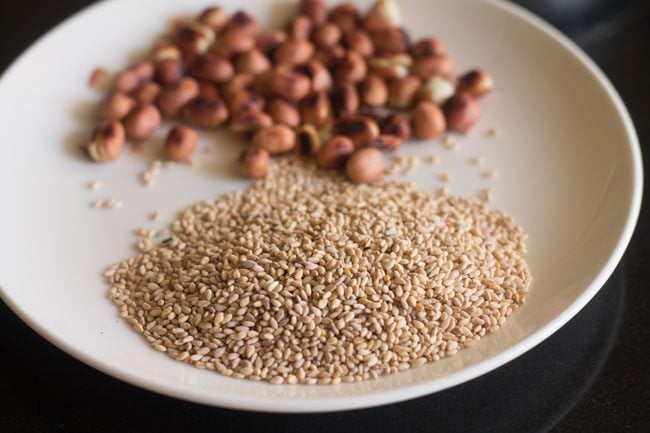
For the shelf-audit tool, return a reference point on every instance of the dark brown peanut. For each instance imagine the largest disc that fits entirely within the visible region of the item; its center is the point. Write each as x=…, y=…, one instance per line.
x=276, y=139
x=116, y=107
x=241, y=22
x=246, y=101
x=212, y=67
x=268, y=42
x=133, y=77
x=362, y=130
x=233, y=42
x=318, y=74
x=254, y=163
x=346, y=16
x=169, y=71
x=283, y=113
x=315, y=109
x=173, y=98
x=142, y=122
x=344, y=100
x=294, y=52
x=308, y=140
x=396, y=125
x=329, y=55
x=180, y=144
x=252, y=62
x=359, y=41
x=350, y=69
x=106, y=142
x=314, y=9
x=299, y=27
x=427, y=67
x=462, y=112
x=206, y=112
x=476, y=83
x=428, y=47
x=207, y=89
x=248, y=122
x=390, y=41
x=328, y=35
x=365, y=166
x=402, y=91
x=147, y=94
x=428, y=120
x=335, y=152
x=289, y=84
x=374, y=91
x=237, y=84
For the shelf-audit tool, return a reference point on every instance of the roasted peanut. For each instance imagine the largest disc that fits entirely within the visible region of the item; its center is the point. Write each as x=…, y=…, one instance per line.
x=193, y=39
x=248, y=122
x=276, y=139
x=173, y=98
x=476, y=83
x=106, y=141
x=314, y=9
x=98, y=78
x=165, y=50
x=427, y=67
x=396, y=66
x=428, y=47
x=214, y=17
x=207, y=89
x=329, y=34
x=362, y=130
x=389, y=142
x=246, y=101
x=462, y=112
x=397, y=126
x=252, y=62
x=318, y=74
x=308, y=140
x=346, y=16
x=359, y=41
x=374, y=91
x=289, y=84
x=402, y=91
x=294, y=52
x=142, y=122
x=241, y=22
x=169, y=71
x=299, y=27
x=335, y=152
x=390, y=41
x=212, y=67
x=329, y=55
x=350, y=69
x=180, y=144
x=315, y=109
x=344, y=100
x=236, y=84
x=437, y=90
x=233, y=42
x=365, y=166
x=283, y=113
x=147, y=94
x=268, y=42
x=254, y=163
x=133, y=77
x=206, y=112
x=428, y=120
x=384, y=14
x=116, y=107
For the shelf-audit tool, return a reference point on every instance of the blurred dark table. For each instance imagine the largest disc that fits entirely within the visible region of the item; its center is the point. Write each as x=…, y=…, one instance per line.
x=591, y=376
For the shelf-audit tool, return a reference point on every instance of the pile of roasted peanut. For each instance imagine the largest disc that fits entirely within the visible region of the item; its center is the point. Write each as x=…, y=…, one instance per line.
x=334, y=84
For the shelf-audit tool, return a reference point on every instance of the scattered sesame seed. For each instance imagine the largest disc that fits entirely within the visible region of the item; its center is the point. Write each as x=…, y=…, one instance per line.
x=491, y=174
x=486, y=195
x=492, y=132
x=450, y=143
x=479, y=160
x=431, y=159
x=445, y=177
x=154, y=215
x=94, y=185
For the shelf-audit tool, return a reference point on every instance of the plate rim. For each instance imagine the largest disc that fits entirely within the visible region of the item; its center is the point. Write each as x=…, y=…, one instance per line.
x=408, y=392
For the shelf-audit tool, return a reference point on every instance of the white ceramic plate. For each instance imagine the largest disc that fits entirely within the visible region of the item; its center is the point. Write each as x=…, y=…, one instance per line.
x=568, y=157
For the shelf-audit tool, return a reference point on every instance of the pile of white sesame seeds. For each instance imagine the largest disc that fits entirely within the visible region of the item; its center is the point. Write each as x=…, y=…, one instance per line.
x=305, y=278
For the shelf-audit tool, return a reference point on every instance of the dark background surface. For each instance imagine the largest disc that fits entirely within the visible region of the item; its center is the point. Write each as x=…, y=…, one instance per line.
x=592, y=375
